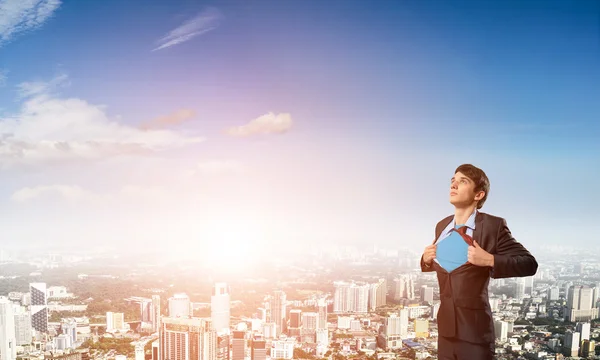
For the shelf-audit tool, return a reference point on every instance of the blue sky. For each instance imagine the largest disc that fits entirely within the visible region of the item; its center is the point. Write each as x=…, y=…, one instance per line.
x=379, y=102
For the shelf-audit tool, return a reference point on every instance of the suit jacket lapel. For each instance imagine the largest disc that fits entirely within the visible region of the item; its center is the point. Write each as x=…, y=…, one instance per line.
x=443, y=225
x=478, y=228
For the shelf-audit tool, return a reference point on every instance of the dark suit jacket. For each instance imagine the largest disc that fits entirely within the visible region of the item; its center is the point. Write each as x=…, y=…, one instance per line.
x=465, y=311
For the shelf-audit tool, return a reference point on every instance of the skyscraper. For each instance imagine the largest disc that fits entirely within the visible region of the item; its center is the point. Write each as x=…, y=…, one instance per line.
x=220, y=308
x=259, y=349
x=322, y=306
x=8, y=341
x=156, y=312
x=278, y=311
x=295, y=328
x=238, y=345
x=39, y=307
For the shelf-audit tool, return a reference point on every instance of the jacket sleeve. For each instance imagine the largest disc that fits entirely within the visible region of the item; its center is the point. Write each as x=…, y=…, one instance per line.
x=511, y=259
x=425, y=267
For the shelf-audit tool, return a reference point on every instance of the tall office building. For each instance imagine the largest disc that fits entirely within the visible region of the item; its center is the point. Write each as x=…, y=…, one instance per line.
x=155, y=312
x=238, y=345
x=258, y=349
x=295, y=322
x=322, y=306
x=219, y=308
x=180, y=306
x=23, y=329
x=571, y=344
x=584, y=329
x=39, y=307
x=187, y=339
x=277, y=305
x=8, y=341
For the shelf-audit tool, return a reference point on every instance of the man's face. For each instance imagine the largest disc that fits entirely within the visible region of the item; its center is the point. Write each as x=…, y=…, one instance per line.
x=462, y=190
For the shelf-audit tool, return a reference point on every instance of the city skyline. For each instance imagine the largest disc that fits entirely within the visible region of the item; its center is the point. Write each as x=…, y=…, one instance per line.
x=198, y=127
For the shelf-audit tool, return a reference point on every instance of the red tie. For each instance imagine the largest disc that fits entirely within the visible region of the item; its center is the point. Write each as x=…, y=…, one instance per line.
x=463, y=232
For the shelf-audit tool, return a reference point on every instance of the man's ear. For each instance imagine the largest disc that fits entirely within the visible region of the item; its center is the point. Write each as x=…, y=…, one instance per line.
x=480, y=195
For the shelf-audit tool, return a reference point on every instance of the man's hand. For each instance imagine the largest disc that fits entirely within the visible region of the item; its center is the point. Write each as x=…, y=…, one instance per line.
x=479, y=257
x=429, y=254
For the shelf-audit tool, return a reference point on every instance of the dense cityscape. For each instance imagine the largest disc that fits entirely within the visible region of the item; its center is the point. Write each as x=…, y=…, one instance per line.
x=344, y=303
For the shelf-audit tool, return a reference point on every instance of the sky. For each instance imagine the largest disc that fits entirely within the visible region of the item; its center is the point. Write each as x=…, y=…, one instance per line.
x=251, y=125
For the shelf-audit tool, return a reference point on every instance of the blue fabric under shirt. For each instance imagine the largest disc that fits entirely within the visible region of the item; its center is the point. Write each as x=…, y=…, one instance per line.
x=452, y=252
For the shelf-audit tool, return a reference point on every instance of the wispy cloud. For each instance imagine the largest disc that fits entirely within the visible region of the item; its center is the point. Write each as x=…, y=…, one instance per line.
x=49, y=128
x=78, y=194
x=33, y=88
x=176, y=118
x=3, y=77
x=19, y=16
x=202, y=23
x=265, y=124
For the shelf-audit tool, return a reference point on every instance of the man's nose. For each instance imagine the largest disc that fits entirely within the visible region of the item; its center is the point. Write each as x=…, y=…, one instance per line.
x=453, y=185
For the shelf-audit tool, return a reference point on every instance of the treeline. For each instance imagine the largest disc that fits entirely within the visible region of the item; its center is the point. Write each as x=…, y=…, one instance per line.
x=121, y=345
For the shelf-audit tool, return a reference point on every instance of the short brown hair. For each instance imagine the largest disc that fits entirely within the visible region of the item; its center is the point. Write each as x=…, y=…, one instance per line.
x=478, y=176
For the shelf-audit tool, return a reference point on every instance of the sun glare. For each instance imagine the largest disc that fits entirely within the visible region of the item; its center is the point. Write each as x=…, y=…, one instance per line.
x=233, y=246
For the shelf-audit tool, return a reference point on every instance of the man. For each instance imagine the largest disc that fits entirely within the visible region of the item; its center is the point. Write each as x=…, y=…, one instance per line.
x=469, y=248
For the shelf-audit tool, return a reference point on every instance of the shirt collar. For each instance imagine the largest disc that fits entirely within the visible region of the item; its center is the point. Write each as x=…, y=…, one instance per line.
x=470, y=221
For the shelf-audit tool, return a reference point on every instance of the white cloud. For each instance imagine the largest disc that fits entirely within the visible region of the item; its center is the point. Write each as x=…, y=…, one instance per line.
x=202, y=23
x=265, y=124
x=19, y=16
x=50, y=128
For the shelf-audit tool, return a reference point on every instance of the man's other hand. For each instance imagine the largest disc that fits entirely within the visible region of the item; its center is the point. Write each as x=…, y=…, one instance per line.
x=429, y=254
x=479, y=257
